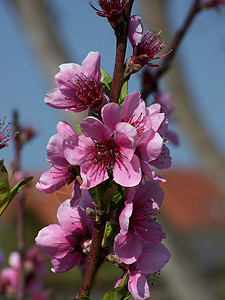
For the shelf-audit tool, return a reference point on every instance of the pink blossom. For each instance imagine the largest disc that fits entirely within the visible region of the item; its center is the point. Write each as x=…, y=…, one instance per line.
x=145, y=48
x=68, y=242
x=9, y=280
x=33, y=262
x=102, y=153
x=36, y=290
x=79, y=87
x=5, y=134
x=137, y=222
x=61, y=172
x=143, y=272
x=152, y=259
x=111, y=9
x=27, y=134
x=144, y=125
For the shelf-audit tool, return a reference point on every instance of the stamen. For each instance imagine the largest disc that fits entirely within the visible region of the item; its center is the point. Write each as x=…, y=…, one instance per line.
x=139, y=123
x=5, y=134
x=151, y=278
x=102, y=156
x=87, y=92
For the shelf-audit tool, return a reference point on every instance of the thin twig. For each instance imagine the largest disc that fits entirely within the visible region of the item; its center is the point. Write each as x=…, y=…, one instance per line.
x=121, y=44
x=20, y=211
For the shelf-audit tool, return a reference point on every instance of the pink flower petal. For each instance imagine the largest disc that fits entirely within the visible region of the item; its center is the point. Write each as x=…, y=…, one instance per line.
x=92, y=174
x=150, y=189
x=153, y=258
x=127, y=173
x=125, y=143
x=152, y=148
x=76, y=193
x=53, y=179
x=64, y=264
x=135, y=30
x=55, y=152
x=127, y=247
x=155, y=116
x=163, y=161
x=76, y=148
x=150, y=232
x=69, y=217
x=92, y=65
x=66, y=78
x=65, y=129
x=111, y=114
x=52, y=240
x=127, y=129
x=95, y=129
x=133, y=105
x=154, y=108
x=56, y=99
x=138, y=286
x=124, y=218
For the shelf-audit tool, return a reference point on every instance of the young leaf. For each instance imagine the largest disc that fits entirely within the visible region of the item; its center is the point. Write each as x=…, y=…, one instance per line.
x=5, y=202
x=118, y=199
x=111, y=230
x=106, y=79
x=78, y=128
x=119, y=293
x=4, y=183
x=19, y=186
x=123, y=280
x=124, y=93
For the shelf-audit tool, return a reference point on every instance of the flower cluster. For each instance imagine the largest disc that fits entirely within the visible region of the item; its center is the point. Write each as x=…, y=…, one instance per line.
x=68, y=242
x=112, y=162
x=34, y=266
x=138, y=244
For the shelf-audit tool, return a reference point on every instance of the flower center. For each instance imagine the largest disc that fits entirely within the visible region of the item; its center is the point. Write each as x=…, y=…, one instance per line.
x=106, y=153
x=87, y=92
x=143, y=210
x=151, y=44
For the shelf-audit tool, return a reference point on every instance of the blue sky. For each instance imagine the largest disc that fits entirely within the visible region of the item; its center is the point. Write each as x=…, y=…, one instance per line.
x=23, y=83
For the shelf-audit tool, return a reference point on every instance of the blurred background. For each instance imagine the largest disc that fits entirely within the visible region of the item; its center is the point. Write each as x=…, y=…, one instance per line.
x=36, y=37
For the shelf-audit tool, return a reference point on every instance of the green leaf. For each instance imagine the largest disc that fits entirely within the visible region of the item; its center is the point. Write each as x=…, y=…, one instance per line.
x=4, y=183
x=78, y=128
x=19, y=186
x=123, y=281
x=5, y=201
x=108, y=229
x=111, y=230
x=84, y=298
x=119, y=293
x=106, y=79
x=97, y=193
x=124, y=93
x=118, y=199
